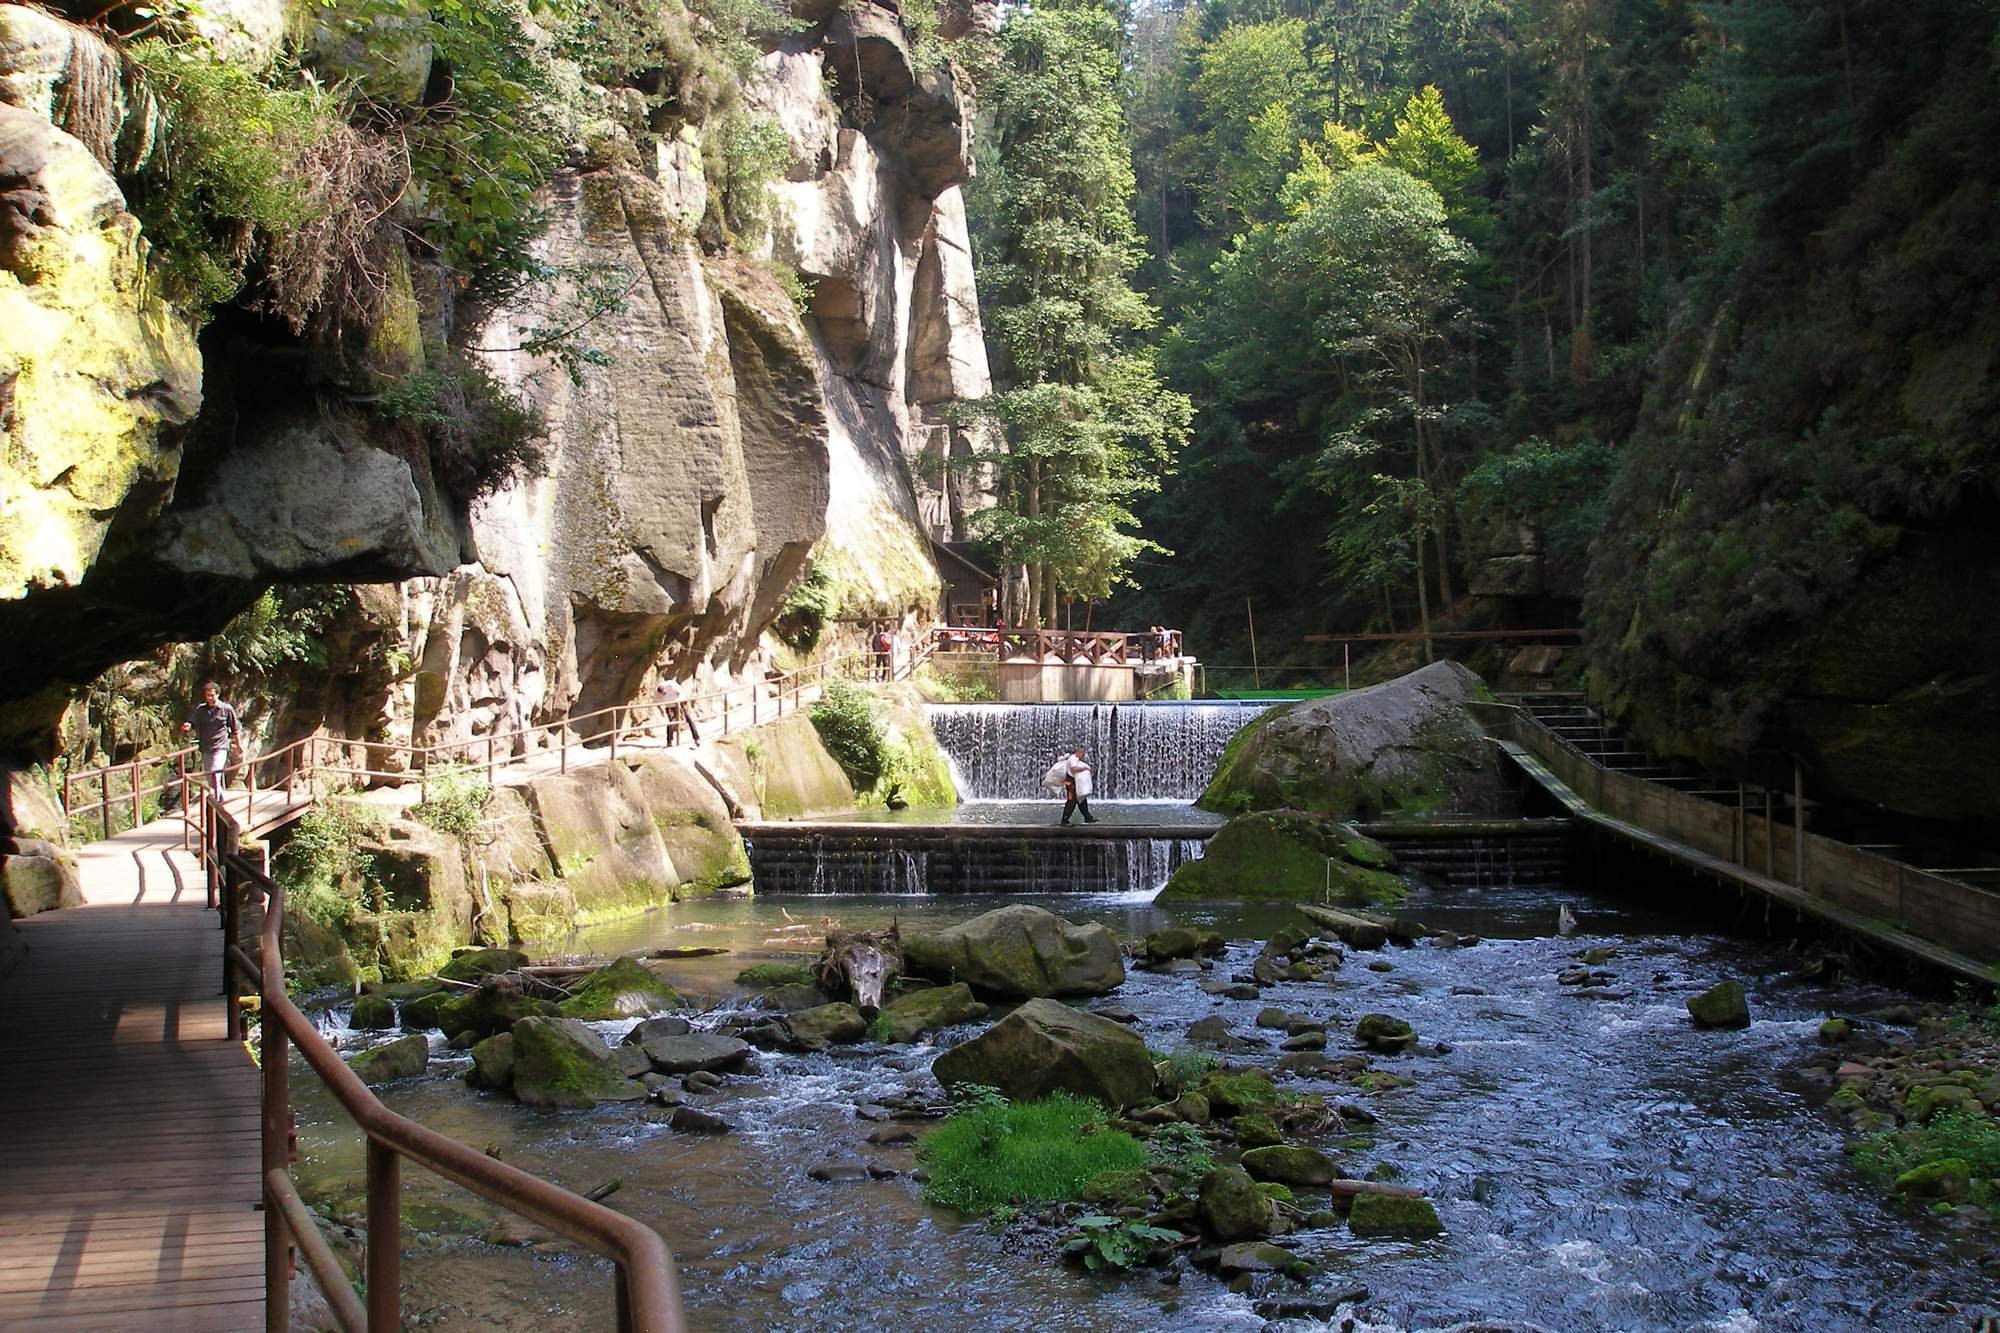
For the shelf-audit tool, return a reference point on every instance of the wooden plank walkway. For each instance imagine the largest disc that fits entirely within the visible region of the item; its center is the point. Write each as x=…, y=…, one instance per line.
x=128, y=1178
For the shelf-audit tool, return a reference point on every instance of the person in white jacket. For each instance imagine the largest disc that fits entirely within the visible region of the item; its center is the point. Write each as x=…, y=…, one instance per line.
x=1071, y=776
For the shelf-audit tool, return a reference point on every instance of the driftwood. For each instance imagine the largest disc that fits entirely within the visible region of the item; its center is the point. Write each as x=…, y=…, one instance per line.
x=606, y=1190
x=860, y=963
x=1365, y=930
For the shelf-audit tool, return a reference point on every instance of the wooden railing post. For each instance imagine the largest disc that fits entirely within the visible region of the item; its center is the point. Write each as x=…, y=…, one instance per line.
x=104, y=806
x=489, y=758
x=136, y=821
x=385, y=1242
x=617, y=718
x=562, y=743
x=249, y=790
x=275, y=1155
x=187, y=806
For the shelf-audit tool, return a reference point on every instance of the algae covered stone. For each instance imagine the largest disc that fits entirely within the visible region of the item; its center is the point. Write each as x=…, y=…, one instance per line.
x=1720, y=1006
x=405, y=1057
x=1281, y=856
x=372, y=1013
x=1393, y=1215
x=492, y=1063
x=558, y=1062
x=910, y=1016
x=1020, y=951
x=478, y=964
x=1383, y=1033
x=488, y=1010
x=1306, y=1167
x=1231, y=1094
x=621, y=989
x=826, y=1025
x=1231, y=1207
x=1947, y=1178
x=1045, y=1047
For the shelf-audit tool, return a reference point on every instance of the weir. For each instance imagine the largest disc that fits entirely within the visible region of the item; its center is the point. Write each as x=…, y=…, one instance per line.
x=1137, y=752
x=903, y=859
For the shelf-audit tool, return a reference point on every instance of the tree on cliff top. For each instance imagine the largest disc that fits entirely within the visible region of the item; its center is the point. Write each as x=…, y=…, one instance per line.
x=1087, y=424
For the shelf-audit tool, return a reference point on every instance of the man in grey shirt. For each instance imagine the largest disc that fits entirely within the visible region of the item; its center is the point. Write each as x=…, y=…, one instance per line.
x=213, y=724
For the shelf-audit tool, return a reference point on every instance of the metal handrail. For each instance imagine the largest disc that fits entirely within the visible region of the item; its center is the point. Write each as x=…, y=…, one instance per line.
x=648, y=1290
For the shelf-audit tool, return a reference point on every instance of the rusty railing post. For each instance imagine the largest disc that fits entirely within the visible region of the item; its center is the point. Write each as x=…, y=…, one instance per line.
x=385, y=1225
x=223, y=846
x=136, y=821
x=249, y=790
x=104, y=806
x=562, y=744
x=617, y=720
x=187, y=807
x=275, y=1155
x=489, y=758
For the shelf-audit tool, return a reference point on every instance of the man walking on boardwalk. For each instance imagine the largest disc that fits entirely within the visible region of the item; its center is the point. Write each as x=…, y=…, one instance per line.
x=213, y=725
x=1071, y=776
x=672, y=711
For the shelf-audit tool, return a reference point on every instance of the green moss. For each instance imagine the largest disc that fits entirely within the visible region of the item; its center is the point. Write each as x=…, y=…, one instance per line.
x=1275, y=1191
x=763, y=976
x=1282, y=856
x=622, y=989
x=1232, y=1094
x=1386, y=1215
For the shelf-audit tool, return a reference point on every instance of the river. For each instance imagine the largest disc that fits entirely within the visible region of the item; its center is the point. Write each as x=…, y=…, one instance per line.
x=1597, y=1163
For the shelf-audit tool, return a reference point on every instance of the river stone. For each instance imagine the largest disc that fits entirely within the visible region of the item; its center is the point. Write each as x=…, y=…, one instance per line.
x=670, y=1026
x=1256, y=1130
x=1405, y=744
x=1720, y=1006
x=1314, y=1040
x=1231, y=1094
x=632, y=1061
x=826, y=1025
x=1117, y=1013
x=1390, y=1215
x=1306, y=1167
x=843, y=1171
x=1255, y=1257
x=1231, y=1206
x=1214, y=1033
x=1833, y=1031
x=492, y=1063
x=558, y=1062
x=1925, y=1101
x=908, y=1017
x=786, y=999
x=372, y=1013
x=1180, y=942
x=1946, y=1178
x=689, y=1120
x=1020, y=950
x=1043, y=1047
x=1383, y=1033
x=1281, y=856
x=405, y=1057
x=684, y=1053
x=621, y=989
x=1308, y=1064
x=424, y=1013
x=489, y=1010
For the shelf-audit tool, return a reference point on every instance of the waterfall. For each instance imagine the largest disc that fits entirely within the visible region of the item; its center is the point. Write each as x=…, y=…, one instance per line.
x=915, y=861
x=1137, y=752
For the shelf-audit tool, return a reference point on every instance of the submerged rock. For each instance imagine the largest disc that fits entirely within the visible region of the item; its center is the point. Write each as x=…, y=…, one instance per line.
x=1020, y=951
x=1043, y=1047
x=405, y=1057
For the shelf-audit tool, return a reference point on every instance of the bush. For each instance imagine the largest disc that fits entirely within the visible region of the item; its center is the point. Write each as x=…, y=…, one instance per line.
x=456, y=802
x=1182, y=1148
x=1964, y=1135
x=991, y=1152
x=480, y=437
x=802, y=618
x=851, y=729
x=322, y=869
x=743, y=155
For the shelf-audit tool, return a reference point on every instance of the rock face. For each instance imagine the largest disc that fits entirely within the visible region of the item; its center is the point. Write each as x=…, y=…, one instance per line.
x=1020, y=951
x=1044, y=1047
x=1404, y=746
x=39, y=877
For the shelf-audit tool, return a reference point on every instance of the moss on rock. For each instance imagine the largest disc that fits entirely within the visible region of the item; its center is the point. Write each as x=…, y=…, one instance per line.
x=1283, y=856
x=620, y=989
x=1392, y=1215
x=559, y=1062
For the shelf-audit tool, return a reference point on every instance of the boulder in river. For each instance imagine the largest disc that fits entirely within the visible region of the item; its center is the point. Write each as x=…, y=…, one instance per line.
x=1393, y=1215
x=1284, y=856
x=684, y=1052
x=1231, y=1207
x=405, y=1057
x=492, y=1063
x=493, y=1008
x=478, y=964
x=1162, y=946
x=1305, y=1167
x=1020, y=951
x=826, y=1025
x=620, y=989
x=1382, y=1033
x=372, y=1013
x=1720, y=1006
x=1045, y=1047
x=910, y=1016
x=559, y=1062
x=1407, y=745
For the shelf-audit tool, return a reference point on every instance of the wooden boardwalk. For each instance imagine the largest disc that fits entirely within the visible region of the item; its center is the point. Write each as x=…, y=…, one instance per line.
x=128, y=1175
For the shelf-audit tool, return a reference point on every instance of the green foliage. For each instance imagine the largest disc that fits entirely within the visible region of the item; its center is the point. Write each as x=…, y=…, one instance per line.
x=1967, y=1136
x=456, y=801
x=1187, y=1066
x=801, y=619
x=741, y=156
x=1557, y=491
x=1181, y=1148
x=986, y=1154
x=848, y=719
x=1114, y=1242
x=479, y=435
x=283, y=627
x=326, y=875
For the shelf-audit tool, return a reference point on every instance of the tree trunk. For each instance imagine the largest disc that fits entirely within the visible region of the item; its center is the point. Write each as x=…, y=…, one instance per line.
x=1423, y=602
x=1034, y=608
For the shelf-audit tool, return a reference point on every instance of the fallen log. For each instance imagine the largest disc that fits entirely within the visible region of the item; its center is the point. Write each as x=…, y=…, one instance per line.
x=1355, y=931
x=606, y=1190
x=688, y=951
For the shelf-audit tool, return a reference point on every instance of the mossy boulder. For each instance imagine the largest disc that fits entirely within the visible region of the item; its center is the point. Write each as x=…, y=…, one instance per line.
x=493, y=1063
x=620, y=989
x=1833, y=1031
x=910, y=1016
x=1720, y=1006
x=836, y=1024
x=558, y=1062
x=405, y=1057
x=1305, y=1167
x=765, y=976
x=1393, y=1215
x=1232, y=1094
x=1254, y=1129
x=1406, y=746
x=1282, y=856
x=372, y=1013
x=478, y=964
x=1927, y=1100
x=1045, y=1047
x=1020, y=951
x=1231, y=1207
x=488, y=1010
x=1174, y=942
x=1381, y=1032
x=1947, y=1178
x=425, y=1013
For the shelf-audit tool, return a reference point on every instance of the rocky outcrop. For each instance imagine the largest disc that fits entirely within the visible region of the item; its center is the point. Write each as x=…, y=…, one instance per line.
x=1406, y=746
x=1284, y=856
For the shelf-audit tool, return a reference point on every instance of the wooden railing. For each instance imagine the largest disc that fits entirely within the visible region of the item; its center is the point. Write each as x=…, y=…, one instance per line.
x=1074, y=647
x=648, y=1291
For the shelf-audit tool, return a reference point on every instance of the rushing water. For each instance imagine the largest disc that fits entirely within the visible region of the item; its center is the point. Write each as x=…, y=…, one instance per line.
x=1149, y=751
x=1597, y=1163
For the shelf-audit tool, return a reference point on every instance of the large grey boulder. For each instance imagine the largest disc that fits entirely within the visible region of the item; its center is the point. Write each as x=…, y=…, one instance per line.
x=1407, y=745
x=405, y=1057
x=559, y=1062
x=1020, y=950
x=1045, y=1047
x=684, y=1052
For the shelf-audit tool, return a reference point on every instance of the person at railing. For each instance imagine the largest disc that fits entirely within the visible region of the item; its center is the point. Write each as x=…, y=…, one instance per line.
x=213, y=724
x=671, y=710
x=885, y=654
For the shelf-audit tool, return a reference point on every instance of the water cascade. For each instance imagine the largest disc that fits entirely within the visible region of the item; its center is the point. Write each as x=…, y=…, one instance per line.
x=1137, y=752
x=906, y=860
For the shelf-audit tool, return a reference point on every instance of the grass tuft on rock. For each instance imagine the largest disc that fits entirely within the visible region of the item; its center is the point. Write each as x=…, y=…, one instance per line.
x=994, y=1154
